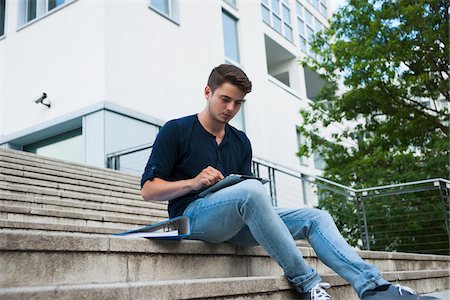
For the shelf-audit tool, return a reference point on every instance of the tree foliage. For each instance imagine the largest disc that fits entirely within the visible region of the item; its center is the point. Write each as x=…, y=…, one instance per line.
x=392, y=60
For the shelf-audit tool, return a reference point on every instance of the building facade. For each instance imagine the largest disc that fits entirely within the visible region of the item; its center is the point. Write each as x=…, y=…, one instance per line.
x=85, y=80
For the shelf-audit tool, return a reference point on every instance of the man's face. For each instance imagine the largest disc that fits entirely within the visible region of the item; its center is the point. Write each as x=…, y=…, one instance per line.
x=225, y=102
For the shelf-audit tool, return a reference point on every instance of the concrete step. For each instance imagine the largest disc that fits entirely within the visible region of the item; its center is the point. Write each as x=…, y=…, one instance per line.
x=70, y=205
x=71, y=185
x=56, y=216
x=63, y=176
x=113, y=198
x=91, y=258
x=30, y=159
x=253, y=287
x=66, y=228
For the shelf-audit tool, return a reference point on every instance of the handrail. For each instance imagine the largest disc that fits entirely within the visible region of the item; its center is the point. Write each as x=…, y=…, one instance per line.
x=298, y=174
x=130, y=150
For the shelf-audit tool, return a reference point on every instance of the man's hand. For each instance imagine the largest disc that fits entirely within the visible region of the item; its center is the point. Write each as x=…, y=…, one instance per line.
x=206, y=178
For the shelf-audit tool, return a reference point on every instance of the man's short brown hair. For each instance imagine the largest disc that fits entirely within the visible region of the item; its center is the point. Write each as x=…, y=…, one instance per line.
x=231, y=74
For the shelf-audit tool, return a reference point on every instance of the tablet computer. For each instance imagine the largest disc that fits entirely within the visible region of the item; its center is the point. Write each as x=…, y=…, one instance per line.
x=230, y=180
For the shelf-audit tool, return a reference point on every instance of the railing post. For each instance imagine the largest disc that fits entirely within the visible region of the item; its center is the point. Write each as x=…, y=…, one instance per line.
x=445, y=199
x=273, y=187
x=255, y=168
x=362, y=218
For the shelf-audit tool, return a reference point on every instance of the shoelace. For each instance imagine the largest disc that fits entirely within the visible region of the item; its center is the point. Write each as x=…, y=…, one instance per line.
x=318, y=291
x=404, y=288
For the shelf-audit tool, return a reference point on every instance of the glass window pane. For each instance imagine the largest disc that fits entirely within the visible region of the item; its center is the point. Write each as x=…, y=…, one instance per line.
x=310, y=33
x=301, y=27
x=231, y=2
x=265, y=14
x=161, y=5
x=315, y=3
x=68, y=146
x=317, y=24
x=303, y=44
x=299, y=10
x=286, y=15
x=288, y=32
x=230, y=37
x=276, y=23
x=31, y=10
x=308, y=17
x=54, y=3
x=276, y=6
x=2, y=17
x=323, y=9
x=266, y=2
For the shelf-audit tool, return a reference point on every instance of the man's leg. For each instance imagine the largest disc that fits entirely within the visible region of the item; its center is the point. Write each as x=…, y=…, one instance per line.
x=319, y=229
x=224, y=214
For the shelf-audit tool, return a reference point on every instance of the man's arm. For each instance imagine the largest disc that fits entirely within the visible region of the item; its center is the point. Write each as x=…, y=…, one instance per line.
x=162, y=190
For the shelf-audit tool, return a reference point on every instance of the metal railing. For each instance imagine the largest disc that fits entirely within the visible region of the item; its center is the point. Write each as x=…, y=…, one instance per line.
x=407, y=217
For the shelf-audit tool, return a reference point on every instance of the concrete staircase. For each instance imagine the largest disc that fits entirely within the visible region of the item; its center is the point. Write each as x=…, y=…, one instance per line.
x=55, y=224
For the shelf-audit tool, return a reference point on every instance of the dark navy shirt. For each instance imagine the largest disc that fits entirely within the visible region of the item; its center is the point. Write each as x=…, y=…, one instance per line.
x=183, y=148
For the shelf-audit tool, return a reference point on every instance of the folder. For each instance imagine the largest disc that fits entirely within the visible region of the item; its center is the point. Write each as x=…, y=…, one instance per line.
x=174, y=228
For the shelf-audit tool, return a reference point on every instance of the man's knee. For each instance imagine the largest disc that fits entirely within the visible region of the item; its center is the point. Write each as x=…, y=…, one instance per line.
x=321, y=216
x=254, y=190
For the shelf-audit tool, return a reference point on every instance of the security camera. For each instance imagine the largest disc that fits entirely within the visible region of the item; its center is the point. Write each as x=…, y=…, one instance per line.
x=43, y=100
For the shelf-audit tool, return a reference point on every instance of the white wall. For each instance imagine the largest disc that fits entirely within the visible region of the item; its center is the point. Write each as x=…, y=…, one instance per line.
x=61, y=54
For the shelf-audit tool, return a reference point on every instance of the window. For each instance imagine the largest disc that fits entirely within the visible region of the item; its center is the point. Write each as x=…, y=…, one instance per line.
x=277, y=15
x=308, y=26
x=230, y=37
x=31, y=11
x=231, y=2
x=323, y=9
x=34, y=9
x=68, y=146
x=167, y=8
x=2, y=16
x=54, y=3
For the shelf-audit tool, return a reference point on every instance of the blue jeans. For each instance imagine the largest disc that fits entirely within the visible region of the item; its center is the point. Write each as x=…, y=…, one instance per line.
x=243, y=214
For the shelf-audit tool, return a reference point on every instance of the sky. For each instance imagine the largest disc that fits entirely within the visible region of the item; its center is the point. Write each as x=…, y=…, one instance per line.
x=335, y=4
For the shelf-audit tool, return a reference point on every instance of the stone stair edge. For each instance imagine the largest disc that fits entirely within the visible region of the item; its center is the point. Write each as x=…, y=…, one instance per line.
x=48, y=213
x=187, y=288
x=25, y=156
x=62, y=179
x=61, y=184
x=166, y=289
x=43, y=228
x=53, y=241
x=66, y=203
x=19, y=169
x=107, y=211
x=44, y=191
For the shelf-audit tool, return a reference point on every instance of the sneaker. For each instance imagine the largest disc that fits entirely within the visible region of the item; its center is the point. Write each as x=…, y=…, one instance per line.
x=394, y=292
x=318, y=292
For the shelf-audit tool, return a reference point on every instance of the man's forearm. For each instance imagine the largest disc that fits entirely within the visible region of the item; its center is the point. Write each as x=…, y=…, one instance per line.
x=163, y=190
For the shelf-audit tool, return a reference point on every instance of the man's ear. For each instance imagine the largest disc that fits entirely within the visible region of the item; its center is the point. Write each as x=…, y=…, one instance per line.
x=208, y=92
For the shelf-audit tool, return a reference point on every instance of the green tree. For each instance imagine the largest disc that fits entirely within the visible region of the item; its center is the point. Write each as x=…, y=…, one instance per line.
x=392, y=60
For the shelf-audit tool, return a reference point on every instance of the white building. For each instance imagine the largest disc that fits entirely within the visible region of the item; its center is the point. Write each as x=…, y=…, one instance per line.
x=115, y=71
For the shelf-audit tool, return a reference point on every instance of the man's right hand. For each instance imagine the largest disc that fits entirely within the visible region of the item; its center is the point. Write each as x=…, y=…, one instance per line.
x=206, y=178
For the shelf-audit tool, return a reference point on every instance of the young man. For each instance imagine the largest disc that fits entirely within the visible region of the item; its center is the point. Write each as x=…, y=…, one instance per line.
x=195, y=152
